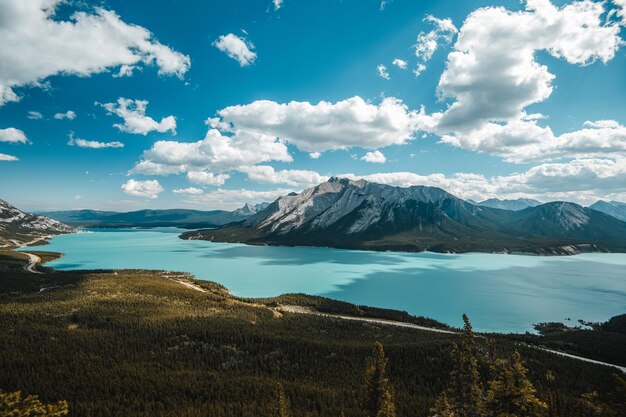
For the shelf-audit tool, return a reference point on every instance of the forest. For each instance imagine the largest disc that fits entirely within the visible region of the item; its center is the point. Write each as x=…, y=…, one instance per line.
x=122, y=343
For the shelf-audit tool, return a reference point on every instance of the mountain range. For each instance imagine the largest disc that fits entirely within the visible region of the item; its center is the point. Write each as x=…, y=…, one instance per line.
x=18, y=228
x=184, y=218
x=363, y=215
x=612, y=208
x=515, y=205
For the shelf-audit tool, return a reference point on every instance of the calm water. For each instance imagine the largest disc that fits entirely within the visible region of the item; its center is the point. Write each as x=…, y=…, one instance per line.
x=498, y=292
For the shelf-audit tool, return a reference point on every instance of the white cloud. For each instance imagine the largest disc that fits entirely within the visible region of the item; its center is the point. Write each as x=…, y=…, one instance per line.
x=155, y=168
x=621, y=10
x=35, y=44
x=148, y=189
x=92, y=144
x=400, y=63
x=207, y=178
x=230, y=199
x=215, y=153
x=584, y=181
x=69, y=115
x=126, y=71
x=524, y=140
x=375, y=157
x=135, y=120
x=382, y=72
x=5, y=157
x=239, y=49
x=326, y=126
x=419, y=69
x=190, y=191
x=35, y=115
x=12, y=135
x=294, y=177
x=493, y=77
x=427, y=42
x=277, y=4
x=315, y=155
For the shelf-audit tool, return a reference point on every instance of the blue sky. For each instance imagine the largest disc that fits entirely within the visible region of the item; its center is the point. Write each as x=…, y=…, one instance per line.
x=513, y=99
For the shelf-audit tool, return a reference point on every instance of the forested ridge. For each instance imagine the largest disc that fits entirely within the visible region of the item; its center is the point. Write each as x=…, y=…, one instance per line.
x=139, y=343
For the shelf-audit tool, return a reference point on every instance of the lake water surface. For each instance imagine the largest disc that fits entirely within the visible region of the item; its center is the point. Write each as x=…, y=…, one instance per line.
x=504, y=293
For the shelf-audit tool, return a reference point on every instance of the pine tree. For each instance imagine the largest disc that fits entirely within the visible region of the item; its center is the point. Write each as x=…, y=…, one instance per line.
x=280, y=404
x=12, y=404
x=466, y=391
x=378, y=398
x=510, y=392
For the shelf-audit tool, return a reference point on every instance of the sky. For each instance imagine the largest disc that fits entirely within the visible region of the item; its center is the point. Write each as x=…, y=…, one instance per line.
x=119, y=105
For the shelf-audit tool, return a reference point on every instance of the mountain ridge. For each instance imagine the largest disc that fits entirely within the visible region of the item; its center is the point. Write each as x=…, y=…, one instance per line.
x=363, y=215
x=18, y=228
x=183, y=218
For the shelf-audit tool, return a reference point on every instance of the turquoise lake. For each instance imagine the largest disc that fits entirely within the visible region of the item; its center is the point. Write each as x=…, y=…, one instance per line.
x=503, y=293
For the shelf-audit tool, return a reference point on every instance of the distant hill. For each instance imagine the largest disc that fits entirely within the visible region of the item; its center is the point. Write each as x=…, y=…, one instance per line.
x=515, y=205
x=360, y=214
x=612, y=208
x=18, y=227
x=183, y=218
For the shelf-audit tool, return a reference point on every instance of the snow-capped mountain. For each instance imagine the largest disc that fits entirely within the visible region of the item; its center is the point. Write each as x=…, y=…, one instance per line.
x=361, y=214
x=515, y=205
x=18, y=228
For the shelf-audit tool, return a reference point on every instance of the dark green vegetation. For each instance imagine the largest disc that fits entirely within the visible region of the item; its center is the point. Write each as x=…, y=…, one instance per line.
x=183, y=218
x=139, y=343
x=362, y=215
x=605, y=342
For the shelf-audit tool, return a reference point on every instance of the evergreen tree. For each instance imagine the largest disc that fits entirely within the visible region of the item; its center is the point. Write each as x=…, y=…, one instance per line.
x=12, y=404
x=280, y=404
x=378, y=398
x=466, y=390
x=510, y=392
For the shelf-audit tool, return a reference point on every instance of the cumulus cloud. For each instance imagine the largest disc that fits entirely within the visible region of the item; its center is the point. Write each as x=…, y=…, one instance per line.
x=148, y=188
x=239, y=49
x=427, y=43
x=400, y=63
x=315, y=155
x=230, y=199
x=12, y=135
x=493, y=78
x=34, y=45
x=277, y=4
x=382, y=72
x=69, y=115
x=135, y=120
x=215, y=153
x=5, y=157
x=524, y=140
x=326, y=126
x=376, y=157
x=34, y=115
x=92, y=144
x=207, y=178
x=189, y=191
x=294, y=177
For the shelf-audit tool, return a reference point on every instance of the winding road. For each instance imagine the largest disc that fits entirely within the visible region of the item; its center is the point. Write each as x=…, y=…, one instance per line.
x=306, y=310
x=33, y=260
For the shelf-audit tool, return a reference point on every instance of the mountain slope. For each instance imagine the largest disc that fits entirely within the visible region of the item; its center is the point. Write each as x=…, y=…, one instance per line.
x=364, y=215
x=515, y=205
x=612, y=208
x=18, y=228
x=155, y=218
